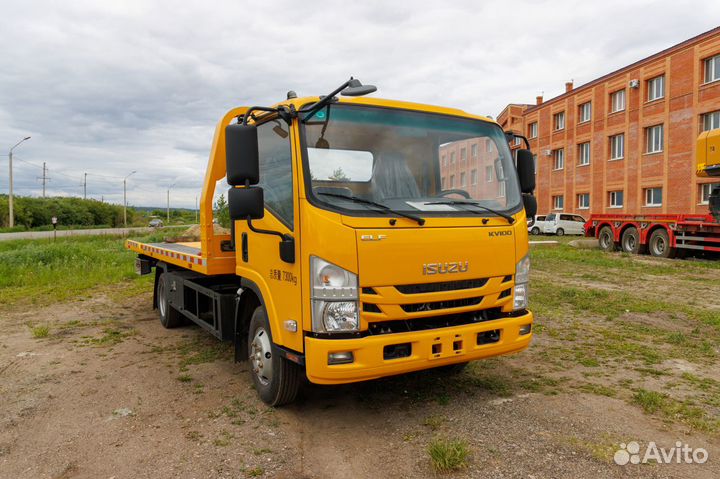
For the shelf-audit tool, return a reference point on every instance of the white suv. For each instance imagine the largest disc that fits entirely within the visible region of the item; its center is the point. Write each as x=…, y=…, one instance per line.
x=564, y=224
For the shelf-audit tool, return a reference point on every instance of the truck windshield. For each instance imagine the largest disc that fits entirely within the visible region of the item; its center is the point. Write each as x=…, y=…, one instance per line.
x=408, y=161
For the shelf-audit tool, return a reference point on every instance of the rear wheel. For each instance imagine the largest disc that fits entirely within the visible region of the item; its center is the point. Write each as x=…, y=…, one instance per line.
x=560, y=232
x=606, y=240
x=630, y=241
x=276, y=379
x=659, y=244
x=535, y=231
x=169, y=316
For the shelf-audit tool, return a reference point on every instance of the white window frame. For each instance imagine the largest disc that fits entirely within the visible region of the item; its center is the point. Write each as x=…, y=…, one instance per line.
x=452, y=157
x=474, y=150
x=488, y=174
x=617, y=152
x=501, y=190
x=463, y=154
x=558, y=202
x=656, y=88
x=463, y=179
x=580, y=197
x=535, y=163
x=714, y=117
x=517, y=141
x=654, y=138
x=704, y=193
x=711, y=70
x=617, y=101
x=585, y=112
x=584, y=153
x=533, y=133
x=613, y=199
x=452, y=182
x=559, y=159
x=650, y=199
x=559, y=121
x=473, y=176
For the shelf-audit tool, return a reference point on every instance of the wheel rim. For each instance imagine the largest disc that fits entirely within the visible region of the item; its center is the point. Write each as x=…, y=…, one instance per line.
x=630, y=243
x=659, y=245
x=261, y=357
x=560, y=232
x=605, y=240
x=162, y=300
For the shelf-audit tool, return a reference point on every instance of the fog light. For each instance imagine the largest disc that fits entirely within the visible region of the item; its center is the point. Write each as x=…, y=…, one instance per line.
x=525, y=329
x=341, y=358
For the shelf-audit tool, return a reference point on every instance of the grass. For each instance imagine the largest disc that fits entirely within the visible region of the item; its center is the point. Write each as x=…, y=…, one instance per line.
x=448, y=455
x=40, y=331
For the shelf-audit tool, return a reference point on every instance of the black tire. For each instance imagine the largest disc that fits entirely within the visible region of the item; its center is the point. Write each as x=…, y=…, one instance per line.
x=560, y=232
x=535, y=231
x=279, y=383
x=606, y=240
x=169, y=316
x=630, y=241
x=453, y=369
x=659, y=244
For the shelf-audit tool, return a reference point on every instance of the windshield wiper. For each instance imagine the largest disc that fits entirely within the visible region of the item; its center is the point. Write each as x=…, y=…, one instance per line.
x=509, y=218
x=357, y=199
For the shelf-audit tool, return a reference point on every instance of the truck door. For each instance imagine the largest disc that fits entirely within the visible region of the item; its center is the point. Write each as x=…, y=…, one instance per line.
x=258, y=255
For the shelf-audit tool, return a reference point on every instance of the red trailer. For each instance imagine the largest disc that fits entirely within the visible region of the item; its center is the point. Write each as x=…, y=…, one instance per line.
x=664, y=236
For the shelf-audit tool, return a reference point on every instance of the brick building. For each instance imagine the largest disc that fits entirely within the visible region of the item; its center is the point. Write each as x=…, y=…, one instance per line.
x=625, y=142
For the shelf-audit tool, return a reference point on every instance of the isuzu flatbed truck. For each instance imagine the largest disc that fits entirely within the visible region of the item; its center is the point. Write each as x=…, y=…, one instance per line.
x=362, y=244
x=668, y=235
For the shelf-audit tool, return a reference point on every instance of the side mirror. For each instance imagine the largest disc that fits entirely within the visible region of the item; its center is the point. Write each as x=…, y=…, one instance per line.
x=241, y=155
x=246, y=202
x=530, y=204
x=526, y=170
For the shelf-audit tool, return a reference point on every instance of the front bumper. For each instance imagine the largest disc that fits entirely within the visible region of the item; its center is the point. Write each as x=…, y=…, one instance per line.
x=456, y=345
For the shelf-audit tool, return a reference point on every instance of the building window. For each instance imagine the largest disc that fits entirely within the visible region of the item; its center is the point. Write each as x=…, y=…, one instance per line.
x=559, y=121
x=711, y=120
x=558, y=202
x=656, y=88
x=705, y=190
x=535, y=163
x=517, y=141
x=501, y=190
x=558, y=159
x=452, y=157
x=452, y=181
x=442, y=182
x=585, y=112
x=654, y=139
x=653, y=196
x=489, y=174
x=616, y=199
x=473, y=177
x=584, y=153
x=463, y=154
x=583, y=201
x=712, y=69
x=617, y=147
x=462, y=179
x=473, y=150
x=617, y=101
x=443, y=160
x=533, y=130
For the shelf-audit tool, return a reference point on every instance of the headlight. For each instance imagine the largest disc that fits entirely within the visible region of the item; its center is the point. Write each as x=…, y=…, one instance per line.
x=522, y=276
x=334, y=298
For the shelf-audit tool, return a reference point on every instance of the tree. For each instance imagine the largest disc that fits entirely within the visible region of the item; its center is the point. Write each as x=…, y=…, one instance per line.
x=222, y=213
x=339, y=175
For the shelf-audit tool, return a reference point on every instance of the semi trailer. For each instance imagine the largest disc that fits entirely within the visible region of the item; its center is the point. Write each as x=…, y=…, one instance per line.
x=668, y=235
x=355, y=250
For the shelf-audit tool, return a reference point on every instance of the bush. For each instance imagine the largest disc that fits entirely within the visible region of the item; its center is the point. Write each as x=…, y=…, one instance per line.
x=34, y=213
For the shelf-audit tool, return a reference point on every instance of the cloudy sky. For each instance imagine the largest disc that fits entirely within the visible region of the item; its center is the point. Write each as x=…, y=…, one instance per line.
x=106, y=88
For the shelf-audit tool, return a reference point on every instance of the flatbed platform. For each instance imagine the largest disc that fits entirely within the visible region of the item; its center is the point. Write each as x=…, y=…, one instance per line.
x=186, y=255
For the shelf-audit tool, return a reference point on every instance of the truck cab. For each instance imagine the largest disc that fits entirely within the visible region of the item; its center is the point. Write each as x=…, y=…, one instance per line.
x=363, y=244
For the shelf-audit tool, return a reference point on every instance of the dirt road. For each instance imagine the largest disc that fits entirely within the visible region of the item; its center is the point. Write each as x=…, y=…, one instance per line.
x=110, y=393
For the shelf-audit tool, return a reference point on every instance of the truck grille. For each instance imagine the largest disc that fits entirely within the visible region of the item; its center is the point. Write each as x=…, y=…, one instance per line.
x=447, y=304
x=444, y=286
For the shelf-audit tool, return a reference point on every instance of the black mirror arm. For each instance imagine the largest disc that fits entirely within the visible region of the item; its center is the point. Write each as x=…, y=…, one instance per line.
x=282, y=236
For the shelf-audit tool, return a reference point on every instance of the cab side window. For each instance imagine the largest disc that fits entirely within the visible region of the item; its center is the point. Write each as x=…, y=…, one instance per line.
x=276, y=176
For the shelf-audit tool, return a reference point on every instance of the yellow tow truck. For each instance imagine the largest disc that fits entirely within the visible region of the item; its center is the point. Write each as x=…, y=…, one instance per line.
x=370, y=238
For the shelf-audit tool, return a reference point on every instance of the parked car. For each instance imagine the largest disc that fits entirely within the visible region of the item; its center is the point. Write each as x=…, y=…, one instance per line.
x=156, y=223
x=563, y=224
x=538, y=226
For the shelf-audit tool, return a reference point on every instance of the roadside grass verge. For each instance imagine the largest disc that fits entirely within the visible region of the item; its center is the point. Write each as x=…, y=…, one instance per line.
x=47, y=271
x=448, y=455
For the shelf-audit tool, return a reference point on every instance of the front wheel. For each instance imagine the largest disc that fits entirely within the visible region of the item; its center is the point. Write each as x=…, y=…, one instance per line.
x=606, y=240
x=560, y=232
x=276, y=379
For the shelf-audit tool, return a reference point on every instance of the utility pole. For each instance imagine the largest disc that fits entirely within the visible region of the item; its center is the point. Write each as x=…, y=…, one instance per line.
x=85, y=187
x=168, y=202
x=125, y=198
x=11, y=215
x=44, y=178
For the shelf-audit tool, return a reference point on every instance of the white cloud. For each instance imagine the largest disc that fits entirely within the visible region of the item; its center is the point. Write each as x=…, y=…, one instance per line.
x=111, y=87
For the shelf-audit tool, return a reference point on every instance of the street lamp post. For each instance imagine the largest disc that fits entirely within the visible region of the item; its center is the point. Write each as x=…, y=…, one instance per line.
x=125, y=198
x=168, y=202
x=11, y=215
